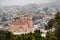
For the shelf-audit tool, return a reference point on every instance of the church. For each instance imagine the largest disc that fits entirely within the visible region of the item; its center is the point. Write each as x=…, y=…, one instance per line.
x=24, y=25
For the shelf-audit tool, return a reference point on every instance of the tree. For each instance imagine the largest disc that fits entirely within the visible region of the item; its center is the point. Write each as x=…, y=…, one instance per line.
x=51, y=36
x=5, y=35
x=57, y=32
x=8, y=35
x=56, y=24
x=50, y=24
x=37, y=35
x=57, y=15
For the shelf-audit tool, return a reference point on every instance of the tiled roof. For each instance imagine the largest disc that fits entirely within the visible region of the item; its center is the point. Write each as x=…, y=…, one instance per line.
x=19, y=22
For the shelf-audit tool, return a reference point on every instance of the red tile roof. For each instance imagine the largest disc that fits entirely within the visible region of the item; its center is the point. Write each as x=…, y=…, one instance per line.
x=19, y=22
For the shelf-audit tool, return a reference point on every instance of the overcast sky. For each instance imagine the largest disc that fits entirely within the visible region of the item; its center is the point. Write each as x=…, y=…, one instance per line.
x=25, y=2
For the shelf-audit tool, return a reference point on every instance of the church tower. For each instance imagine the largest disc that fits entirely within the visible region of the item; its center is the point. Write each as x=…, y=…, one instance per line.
x=21, y=16
x=30, y=20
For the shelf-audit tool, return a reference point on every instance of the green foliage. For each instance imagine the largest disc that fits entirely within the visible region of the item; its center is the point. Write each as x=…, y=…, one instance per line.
x=57, y=15
x=5, y=35
x=56, y=24
x=50, y=24
x=51, y=35
x=30, y=36
x=53, y=22
x=57, y=32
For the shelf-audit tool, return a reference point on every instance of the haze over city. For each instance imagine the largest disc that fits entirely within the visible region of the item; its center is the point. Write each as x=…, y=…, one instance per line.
x=26, y=2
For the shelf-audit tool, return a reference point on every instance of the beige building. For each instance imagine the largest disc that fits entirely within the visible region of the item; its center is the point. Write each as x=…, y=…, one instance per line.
x=22, y=25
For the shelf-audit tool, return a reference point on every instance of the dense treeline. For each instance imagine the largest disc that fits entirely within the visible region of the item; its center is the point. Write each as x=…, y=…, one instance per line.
x=6, y=35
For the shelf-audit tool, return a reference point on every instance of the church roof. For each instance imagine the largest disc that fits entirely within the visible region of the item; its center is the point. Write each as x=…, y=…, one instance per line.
x=19, y=22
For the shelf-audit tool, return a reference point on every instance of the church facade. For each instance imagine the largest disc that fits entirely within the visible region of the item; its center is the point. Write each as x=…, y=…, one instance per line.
x=22, y=25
